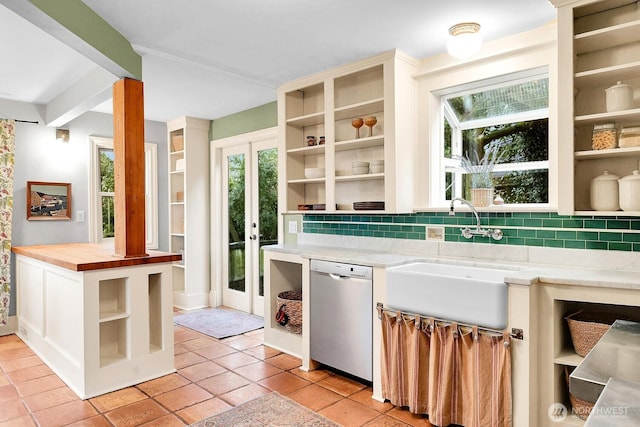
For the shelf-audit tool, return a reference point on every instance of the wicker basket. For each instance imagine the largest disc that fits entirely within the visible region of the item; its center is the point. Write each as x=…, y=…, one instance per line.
x=177, y=142
x=291, y=303
x=587, y=327
x=481, y=197
x=580, y=408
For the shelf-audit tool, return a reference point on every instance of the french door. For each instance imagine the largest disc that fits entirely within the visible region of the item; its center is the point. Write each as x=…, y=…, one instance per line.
x=249, y=221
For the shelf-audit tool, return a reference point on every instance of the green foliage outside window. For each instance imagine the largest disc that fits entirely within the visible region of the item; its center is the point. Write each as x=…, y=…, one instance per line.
x=486, y=120
x=107, y=185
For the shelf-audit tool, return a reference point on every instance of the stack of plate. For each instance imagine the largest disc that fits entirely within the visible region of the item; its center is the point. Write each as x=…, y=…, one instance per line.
x=368, y=206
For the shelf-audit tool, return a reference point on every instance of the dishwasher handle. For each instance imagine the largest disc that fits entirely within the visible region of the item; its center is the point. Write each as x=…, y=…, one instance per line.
x=337, y=276
x=341, y=270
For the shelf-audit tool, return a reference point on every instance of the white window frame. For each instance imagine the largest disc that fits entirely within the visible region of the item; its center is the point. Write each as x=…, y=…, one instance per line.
x=451, y=165
x=151, y=192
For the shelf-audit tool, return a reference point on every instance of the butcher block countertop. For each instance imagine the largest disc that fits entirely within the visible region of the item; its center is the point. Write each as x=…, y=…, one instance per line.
x=89, y=256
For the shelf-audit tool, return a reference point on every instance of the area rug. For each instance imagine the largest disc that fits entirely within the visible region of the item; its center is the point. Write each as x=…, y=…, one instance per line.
x=272, y=409
x=220, y=322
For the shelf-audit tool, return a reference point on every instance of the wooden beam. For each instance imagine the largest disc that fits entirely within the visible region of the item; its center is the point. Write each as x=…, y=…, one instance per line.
x=128, y=147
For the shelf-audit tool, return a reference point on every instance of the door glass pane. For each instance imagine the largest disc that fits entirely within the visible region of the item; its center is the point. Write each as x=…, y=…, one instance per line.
x=236, y=215
x=108, y=217
x=107, y=188
x=267, y=203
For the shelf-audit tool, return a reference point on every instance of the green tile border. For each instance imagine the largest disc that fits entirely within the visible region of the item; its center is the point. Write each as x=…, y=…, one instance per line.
x=541, y=229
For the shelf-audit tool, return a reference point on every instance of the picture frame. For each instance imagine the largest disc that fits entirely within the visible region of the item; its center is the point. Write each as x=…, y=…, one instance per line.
x=48, y=201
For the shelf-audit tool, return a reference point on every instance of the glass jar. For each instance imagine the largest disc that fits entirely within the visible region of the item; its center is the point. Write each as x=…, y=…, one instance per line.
x=311, y=140
x=604, y=137
x=629, y=137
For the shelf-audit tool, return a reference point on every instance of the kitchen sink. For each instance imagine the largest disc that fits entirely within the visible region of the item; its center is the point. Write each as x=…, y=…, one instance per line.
x=467, y=294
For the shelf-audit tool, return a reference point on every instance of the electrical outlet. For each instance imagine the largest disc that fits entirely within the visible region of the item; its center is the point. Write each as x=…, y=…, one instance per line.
x=293, y=227
x=435, y=233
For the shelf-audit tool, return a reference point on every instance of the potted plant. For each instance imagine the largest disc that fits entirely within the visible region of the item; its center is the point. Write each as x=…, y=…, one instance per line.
x=480, y=170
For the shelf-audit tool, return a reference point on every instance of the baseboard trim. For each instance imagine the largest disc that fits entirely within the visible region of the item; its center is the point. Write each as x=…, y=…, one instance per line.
x=10, y=327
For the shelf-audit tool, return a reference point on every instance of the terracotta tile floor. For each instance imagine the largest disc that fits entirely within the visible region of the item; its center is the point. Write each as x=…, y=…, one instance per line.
x=212, y=376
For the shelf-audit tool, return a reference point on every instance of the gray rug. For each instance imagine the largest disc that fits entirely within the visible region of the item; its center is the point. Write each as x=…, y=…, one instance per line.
x=272, y=409
x=220, y=322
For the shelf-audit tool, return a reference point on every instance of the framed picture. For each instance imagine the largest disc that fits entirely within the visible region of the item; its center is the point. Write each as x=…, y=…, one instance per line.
x=48, y=201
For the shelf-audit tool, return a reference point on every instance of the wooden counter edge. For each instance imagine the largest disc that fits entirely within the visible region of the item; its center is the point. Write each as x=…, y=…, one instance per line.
x=89, y=256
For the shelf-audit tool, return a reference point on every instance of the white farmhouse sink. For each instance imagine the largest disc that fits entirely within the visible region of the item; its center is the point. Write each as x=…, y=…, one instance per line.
x=467, y=294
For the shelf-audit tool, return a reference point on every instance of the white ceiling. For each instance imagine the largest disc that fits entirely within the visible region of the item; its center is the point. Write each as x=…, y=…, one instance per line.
x=212, y=58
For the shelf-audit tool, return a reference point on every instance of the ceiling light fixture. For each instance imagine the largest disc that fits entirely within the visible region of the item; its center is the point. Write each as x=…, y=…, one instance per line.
x=464, y=40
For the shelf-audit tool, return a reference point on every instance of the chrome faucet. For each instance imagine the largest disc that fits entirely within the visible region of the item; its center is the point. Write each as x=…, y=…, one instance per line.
x=468, y=233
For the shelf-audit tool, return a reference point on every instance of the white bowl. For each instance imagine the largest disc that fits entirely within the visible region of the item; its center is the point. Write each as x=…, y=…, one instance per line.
x=314, y=173
x=377, y=162
x=360, y=164
x=359, y=170
x=377, y=168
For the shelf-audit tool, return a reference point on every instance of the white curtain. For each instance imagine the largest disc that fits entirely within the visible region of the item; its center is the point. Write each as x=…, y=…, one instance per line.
x=7, y=151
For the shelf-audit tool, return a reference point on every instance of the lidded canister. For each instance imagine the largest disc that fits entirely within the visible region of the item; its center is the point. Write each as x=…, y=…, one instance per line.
x=629, y=137
x=604, y=192
x=619, y=97
x=630, y=192
x=605, y=136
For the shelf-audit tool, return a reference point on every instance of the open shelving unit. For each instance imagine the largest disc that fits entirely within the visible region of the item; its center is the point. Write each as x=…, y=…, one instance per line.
x=324, y=105
x=189, y=210
x=556, y=349
x=285, y=272
x=599, y=45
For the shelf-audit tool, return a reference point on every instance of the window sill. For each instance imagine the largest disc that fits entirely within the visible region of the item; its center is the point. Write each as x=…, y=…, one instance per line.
x=492, y=208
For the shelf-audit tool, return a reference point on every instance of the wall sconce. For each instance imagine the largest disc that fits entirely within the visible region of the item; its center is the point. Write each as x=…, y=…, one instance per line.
x=62, y=135
x=464, y=40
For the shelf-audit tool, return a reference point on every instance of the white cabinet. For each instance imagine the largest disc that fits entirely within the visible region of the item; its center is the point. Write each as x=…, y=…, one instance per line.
x=325, y=104
x=555, y=349
x=99, y=330
x=598, y=45
x=286, y=272
x=189, y=210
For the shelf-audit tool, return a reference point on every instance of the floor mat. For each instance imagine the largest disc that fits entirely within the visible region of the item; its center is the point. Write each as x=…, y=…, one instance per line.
x=220, y=322
x=269, y=410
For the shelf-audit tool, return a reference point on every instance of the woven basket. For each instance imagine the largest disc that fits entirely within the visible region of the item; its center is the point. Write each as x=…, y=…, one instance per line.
x=580, y=408
x=587, y=327
x=292, y=301
x=177, y=142
x=481, y=197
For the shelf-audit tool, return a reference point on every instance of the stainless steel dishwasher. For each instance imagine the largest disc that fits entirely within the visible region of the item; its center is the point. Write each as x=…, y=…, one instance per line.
x=341, y=304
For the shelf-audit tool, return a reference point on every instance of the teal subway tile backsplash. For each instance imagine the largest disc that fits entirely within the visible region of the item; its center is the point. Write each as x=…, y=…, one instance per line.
x=546, y=229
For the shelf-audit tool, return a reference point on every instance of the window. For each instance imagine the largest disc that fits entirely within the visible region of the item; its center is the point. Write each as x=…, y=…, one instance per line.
x=508, y=118
x=102, y=212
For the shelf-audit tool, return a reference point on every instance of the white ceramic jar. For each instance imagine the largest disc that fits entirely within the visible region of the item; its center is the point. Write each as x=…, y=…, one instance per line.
x=630, y=192
x=604, y=192
x=619, y=97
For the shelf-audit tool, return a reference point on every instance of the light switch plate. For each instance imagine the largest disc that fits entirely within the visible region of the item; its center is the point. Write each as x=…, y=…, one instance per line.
x=293, y=227
x=79, y=216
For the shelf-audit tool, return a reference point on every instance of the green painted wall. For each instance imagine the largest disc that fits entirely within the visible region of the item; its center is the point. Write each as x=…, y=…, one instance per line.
x=262, y=117
x=90, y=27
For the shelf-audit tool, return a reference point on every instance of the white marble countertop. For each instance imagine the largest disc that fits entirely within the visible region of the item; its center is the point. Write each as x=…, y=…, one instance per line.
x=524, y=273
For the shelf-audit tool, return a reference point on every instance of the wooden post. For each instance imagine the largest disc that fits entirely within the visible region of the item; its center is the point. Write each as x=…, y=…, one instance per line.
x=128, y=147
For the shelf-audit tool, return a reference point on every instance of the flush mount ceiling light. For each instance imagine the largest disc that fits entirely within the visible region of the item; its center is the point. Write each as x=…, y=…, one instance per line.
x=464, y=40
